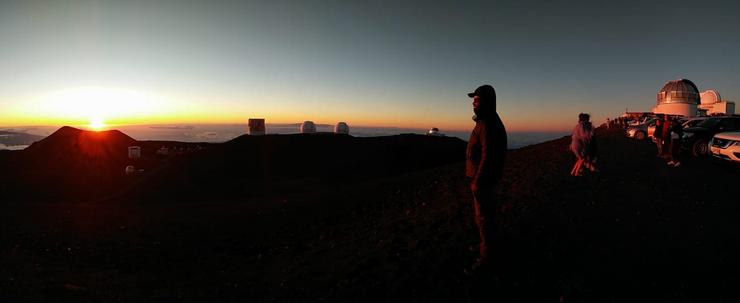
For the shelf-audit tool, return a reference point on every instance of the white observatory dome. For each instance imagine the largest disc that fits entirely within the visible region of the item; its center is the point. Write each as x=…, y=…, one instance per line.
x=308, y=127
x=710, y=97
x=130, y=170
x=434, y=132
x=341, y=128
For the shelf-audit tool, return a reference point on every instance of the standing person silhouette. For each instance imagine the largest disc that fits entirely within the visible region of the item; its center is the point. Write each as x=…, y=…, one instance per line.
x=666, y=134
x=582, y=145
x=658, y=135
x=484, y=166
x=675, y=134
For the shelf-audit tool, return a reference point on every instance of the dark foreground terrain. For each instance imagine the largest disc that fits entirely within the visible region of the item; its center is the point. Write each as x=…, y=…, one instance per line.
x=393, y=224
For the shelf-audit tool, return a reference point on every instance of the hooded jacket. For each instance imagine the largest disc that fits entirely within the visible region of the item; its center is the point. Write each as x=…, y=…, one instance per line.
x=486, y=150
x=581, y=142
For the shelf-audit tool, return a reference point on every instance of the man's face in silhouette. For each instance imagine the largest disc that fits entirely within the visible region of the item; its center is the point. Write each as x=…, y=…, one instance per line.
x=476, y=102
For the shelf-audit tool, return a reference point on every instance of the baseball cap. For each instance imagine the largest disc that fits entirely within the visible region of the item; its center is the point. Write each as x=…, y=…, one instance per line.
x=483, y=91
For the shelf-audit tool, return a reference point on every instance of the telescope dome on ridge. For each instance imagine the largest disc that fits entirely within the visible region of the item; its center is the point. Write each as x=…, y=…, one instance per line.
x=341, y=128
x=678, y=97
x=308, y=127
x=435, y=132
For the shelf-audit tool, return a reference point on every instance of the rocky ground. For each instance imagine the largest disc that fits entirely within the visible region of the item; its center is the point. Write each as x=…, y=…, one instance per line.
x=636, y=230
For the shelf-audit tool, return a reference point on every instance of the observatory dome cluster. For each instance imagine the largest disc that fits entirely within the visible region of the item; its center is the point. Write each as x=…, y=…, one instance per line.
x=308, y=127
x=681, y=97
x=712, y=104
x=257, y=127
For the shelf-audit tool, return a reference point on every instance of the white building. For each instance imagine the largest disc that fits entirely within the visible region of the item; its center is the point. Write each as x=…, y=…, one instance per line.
x=712, y=104
x=435, y=132
x=134, y=152
x=678, y=97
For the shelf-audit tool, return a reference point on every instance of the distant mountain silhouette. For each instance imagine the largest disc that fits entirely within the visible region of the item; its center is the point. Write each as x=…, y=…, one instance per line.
x=82, y=165
x=102, y=144
x=71, y=163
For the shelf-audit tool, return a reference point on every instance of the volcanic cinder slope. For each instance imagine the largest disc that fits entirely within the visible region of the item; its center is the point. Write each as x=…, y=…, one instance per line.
x=268, y=219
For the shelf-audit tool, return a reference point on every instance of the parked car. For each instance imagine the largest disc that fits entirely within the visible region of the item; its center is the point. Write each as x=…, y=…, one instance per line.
x=639, y=131
x=640, y=121
x=726, y=146
x=685, y=123
x=691, y=122
x=696, y=139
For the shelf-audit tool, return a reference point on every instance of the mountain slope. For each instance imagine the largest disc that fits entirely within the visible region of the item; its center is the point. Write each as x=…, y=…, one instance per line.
x=70, y=163
x=251, y=166
x=636, y=231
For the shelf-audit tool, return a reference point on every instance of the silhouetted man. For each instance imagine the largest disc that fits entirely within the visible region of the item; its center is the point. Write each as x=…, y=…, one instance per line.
x=484, y=165
x=658, y=135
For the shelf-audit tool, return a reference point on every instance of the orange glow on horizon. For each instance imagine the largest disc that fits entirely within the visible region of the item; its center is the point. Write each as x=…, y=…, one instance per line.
x=99, y=108
x=446, y=125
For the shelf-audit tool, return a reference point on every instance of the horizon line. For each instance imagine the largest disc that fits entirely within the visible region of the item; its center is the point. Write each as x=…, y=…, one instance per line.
x=113, y=126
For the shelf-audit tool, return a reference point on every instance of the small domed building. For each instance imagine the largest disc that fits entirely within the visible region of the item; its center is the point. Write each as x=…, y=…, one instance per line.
x=435, y=132
x=709, y=97
x=678, y=97
x=341, y=128
x=308, y=127
x=711, y=103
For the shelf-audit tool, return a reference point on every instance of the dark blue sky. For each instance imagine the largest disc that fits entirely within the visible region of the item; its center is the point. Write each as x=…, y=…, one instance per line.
x=389, y=63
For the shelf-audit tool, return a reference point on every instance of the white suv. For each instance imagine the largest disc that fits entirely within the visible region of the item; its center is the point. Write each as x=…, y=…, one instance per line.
x=639, y=131
x=726, y=146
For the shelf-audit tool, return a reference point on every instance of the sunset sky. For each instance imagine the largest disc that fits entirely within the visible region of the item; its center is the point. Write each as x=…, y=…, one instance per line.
x=370, y=63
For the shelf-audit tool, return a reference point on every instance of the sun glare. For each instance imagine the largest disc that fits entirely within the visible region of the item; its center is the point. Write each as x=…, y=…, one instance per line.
x=97, y=123
x=98, y=104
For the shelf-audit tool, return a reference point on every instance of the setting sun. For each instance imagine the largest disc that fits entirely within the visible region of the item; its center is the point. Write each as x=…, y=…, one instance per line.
x=97, y=123
x=94, y=105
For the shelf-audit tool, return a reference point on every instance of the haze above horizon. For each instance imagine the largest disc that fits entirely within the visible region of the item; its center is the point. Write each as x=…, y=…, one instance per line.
x=382, y=63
